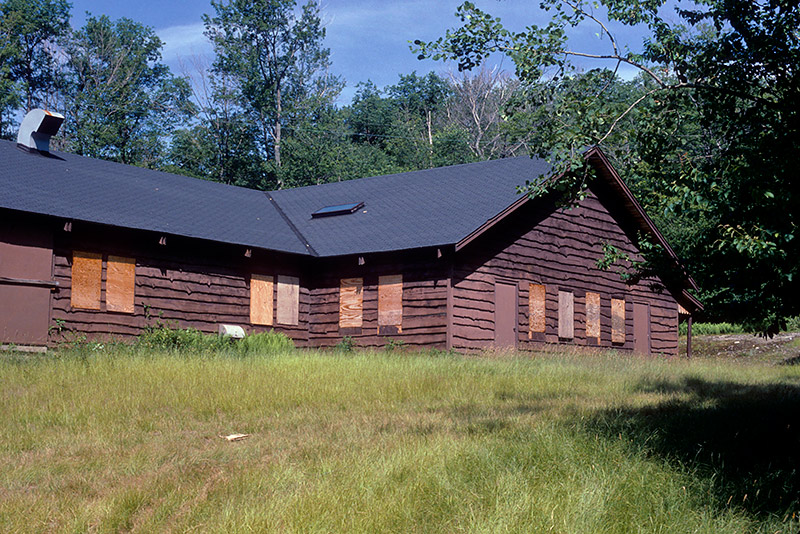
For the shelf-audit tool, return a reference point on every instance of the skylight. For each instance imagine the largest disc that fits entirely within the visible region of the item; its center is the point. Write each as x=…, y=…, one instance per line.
x=339, y=209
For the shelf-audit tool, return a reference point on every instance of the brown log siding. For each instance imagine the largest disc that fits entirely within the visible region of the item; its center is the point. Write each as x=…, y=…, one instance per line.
x=191, y=283
x=557, y=248
x=185, y=284
x=424, y=323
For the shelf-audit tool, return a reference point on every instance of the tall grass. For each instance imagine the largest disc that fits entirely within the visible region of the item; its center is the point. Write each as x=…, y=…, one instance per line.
x=377, y=442
x=705, y=329
x=711, y=329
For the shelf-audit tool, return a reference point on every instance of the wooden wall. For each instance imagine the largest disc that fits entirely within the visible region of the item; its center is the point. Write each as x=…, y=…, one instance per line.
x=424, y=323
x=559, y=249
x=183, y=284
x=192, y=283
x=26, y=273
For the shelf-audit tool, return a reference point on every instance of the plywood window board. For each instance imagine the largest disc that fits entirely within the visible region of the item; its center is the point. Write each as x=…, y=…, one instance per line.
x=261, y=299
x=593, y=315
x=87, y=272
x=351, y=302
x=120, y=284
x=617, y=321
x=390, y=301
x=566, y=315
x=536, y=308
x=288, y=300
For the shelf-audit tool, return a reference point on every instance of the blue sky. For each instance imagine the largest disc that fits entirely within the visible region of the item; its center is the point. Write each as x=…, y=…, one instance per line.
x=368, y=38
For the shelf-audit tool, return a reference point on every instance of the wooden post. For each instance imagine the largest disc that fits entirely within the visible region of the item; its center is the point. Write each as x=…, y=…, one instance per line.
x=689, y=337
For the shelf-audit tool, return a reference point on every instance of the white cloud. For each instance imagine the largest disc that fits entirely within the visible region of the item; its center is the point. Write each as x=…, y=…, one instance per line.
x=183, y=42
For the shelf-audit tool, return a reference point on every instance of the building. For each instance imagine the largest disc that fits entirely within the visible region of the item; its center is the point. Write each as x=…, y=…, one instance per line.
x=447, y=258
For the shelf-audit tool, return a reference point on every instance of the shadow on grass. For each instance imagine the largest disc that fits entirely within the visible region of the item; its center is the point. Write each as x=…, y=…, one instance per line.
x=746, y=438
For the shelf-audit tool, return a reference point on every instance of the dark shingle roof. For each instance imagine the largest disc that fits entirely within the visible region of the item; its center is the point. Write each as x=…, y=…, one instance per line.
x=411, y=210
x=80, y=188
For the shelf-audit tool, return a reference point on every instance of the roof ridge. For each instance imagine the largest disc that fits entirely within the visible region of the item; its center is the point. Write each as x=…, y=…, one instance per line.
x=291, y=225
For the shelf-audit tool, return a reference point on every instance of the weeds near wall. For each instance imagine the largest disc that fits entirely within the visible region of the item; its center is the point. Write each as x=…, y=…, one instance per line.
x=347, y=344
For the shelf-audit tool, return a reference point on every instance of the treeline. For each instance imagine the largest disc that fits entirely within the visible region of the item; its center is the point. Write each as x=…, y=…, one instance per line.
x=262, y=115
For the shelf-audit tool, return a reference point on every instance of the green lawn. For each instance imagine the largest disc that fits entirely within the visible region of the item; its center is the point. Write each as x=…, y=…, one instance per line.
x=392, y=442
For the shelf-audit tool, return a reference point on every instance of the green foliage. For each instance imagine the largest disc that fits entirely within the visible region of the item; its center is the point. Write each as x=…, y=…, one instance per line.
x=621, y=261
x=393, y=344
x=220, y=148
x=30, y=31
x=371, y=114
x=161, y=338
x=265, y=343
x=707, y=132
x=164, y=338
x=319, y=149
x=711, y=329
x=120, y=101
x=793, y=324
x=347, y=344
x=408, y=123
x=277, y=62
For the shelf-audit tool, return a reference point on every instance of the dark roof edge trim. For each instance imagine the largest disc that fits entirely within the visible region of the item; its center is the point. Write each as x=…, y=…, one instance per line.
x=491, y=222
x=291, y=225
x=164, y=232
x=597, y=154
x=695, y=304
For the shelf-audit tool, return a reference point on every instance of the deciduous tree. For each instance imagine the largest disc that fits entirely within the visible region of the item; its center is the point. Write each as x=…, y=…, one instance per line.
x=735, y=64
x=30, y=32
x=121, y=103
x=279, y=63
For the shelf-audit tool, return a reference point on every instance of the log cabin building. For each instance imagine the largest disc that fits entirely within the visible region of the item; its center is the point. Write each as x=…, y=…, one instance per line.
x=446, y=258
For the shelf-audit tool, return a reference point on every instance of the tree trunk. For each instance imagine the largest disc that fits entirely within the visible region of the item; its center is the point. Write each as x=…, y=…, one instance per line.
x=429, y=119
x=277, y=135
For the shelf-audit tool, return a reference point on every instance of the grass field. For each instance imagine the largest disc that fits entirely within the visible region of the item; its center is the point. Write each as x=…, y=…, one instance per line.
x=393, y=442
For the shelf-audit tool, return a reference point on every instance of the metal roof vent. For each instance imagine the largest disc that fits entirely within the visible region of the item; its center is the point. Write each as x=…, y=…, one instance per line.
x=36, y=129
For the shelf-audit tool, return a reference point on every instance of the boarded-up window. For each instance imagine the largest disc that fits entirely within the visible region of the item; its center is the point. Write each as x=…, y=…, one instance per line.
x=617, y=321
x=261, y=299
x=593, y=315
x=288, y=299
x=351, y=302
x=566, y=315
x=120, y=282
x=87, y=269
x=390, y=301
x=536, y=300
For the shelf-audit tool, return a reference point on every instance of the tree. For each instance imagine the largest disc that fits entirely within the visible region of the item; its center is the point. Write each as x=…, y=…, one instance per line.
x=422, y=135
x=121, y=103
x=30, y=31
x=371, y=115
x=733, y=63
x=422, y=96
x=278, y=62
x=321, y=149
x=221, y=145
x=479, y=104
